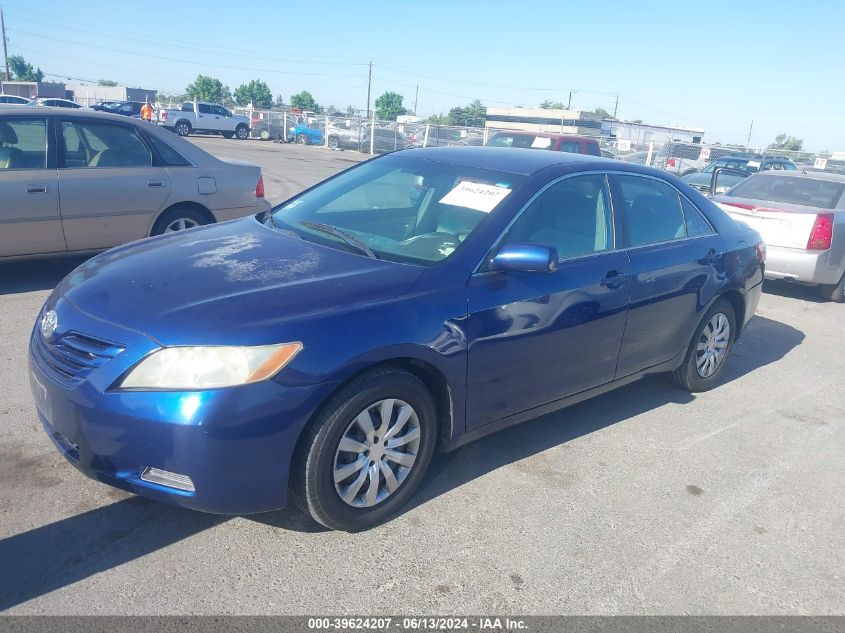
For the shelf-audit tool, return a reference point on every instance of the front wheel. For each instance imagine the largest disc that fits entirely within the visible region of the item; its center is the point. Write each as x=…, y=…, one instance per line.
x=834, y=292
x=302, y=139
x=242, y=132
x=709, y=350
x=228, y=134
x=334, y=142
x=367, y=451
x=264, y=135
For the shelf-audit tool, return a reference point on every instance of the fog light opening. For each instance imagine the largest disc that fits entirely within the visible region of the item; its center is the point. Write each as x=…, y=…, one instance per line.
x=166, y=478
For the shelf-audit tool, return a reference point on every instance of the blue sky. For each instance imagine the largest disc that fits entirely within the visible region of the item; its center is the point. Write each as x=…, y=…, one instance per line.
x=717, y=65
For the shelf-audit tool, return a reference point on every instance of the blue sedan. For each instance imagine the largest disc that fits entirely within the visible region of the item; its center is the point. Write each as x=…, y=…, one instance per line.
x=413, y=303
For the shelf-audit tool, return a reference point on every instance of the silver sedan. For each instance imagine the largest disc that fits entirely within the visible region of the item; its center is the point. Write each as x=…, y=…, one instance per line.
x=79, y=180
x=801, y=217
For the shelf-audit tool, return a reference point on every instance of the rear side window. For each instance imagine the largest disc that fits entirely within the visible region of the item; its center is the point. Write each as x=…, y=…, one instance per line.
x=572, y=147
x=697, y=224
x=203, y=108
x=593, y=149
x=169, y=156
x=652, y=211
x=811, y=192
x=23, y=143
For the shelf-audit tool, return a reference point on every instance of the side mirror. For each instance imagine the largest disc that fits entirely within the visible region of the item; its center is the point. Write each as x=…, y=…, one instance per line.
x=723, y=178
x=525, y=257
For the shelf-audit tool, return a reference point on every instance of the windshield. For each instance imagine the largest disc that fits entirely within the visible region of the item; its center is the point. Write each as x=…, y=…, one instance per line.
x=525, y=141
x=810, y=192
x=401, y=208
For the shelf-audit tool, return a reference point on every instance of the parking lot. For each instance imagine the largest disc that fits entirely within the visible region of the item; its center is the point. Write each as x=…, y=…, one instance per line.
x=647, y=500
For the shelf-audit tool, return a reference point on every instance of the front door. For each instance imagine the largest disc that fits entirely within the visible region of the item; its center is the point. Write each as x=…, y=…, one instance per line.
x=538, y=337
x=110, y=191
x=677, y=264
x=29, y=198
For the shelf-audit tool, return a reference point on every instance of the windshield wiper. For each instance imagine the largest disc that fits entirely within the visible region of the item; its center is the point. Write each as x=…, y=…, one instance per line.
x=350, y=240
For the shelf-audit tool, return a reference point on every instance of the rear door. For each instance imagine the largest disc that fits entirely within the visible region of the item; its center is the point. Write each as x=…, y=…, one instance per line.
x=677, y=265
x=30, y=222
x=109, y=188
x=206, y=119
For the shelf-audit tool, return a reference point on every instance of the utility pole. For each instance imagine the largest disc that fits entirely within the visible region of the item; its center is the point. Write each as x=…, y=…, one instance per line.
x=569, y=102
x=748, y=142
x=616, y=106
x=5, y=52
x=369, y=86
x=416, y=99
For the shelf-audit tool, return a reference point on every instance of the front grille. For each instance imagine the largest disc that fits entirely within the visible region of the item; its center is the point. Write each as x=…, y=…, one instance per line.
x=70, y=358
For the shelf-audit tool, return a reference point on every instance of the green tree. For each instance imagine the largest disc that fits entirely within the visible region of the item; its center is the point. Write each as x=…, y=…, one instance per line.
x=304, y=101
x=280, y=101
x=782, y=141
x=350, y=111
x=551, y=105
x=438, y=119
x=205, y=88
x=389, y=106
x=473, y=115
x=107, y=83
x=255, y=92
x=604, y=114
x=22, y=70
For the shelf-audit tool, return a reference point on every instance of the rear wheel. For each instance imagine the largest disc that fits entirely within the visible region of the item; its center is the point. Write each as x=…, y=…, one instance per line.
x=367, y=451
x=178, y=219
x=302, y=139
x=834, y=292
x=242, y=132
x=183, y=128
x=264, y=135
x=334, y=142
x=709, y=350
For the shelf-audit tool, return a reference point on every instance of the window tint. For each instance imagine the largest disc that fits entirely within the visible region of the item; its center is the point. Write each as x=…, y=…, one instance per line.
x=696, y=223
x=202, y=108
x=652, y=211
x=90, y=144
x=572, y=215
x=593, y=149
x=823, y=194
x=219, y=110
x=573, y=147
x=169, y=156
x=187, y=107
x=23, y=144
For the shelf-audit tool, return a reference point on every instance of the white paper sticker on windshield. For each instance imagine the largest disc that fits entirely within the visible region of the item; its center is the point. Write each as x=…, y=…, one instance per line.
x=473, y=195
x=753, y=164
x=541, y=142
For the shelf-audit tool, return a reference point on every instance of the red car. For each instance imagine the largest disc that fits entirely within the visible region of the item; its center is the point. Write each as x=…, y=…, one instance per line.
x=546, y=140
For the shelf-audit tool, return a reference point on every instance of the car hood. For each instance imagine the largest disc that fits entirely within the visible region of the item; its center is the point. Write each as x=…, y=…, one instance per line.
x=234, y=283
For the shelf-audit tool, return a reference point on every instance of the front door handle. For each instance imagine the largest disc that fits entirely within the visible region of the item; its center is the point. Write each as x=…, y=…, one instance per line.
x=613, y=279
x=36, y=188
x=155, y=183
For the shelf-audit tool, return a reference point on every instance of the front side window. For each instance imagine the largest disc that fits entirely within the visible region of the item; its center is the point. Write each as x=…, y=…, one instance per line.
x=652, y=211
x=103, y=145
x=573, y=215
x=399, y=208
x=23, y=143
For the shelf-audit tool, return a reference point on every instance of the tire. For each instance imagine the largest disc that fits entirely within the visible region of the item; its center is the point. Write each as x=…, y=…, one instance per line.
x=183, y=128
x=689, y=376
x=334, y=142
x=228, y=134
x=179, y=218
x=242, y=132
x=302, y=139
x=833, y=292
x=313, y=478
x=264, y=135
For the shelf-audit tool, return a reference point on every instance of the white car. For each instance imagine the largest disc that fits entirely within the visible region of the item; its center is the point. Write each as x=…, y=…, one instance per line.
x=206, y=118
x=801, y=217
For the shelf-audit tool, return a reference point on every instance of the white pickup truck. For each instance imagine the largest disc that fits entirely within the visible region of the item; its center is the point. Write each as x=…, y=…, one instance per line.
x=207, y=118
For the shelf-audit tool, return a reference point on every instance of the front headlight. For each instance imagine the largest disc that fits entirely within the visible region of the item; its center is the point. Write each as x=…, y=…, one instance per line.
x=209, y=367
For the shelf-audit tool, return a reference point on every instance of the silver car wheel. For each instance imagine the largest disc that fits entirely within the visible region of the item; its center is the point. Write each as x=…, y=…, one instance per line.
x=181, y=224
x=712, y=345
x=376, y=453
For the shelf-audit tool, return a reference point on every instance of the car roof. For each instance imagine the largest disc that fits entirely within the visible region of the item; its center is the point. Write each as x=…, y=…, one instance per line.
x=811, y=175
x=516, y=161
x=80, y=112
x=552, y=135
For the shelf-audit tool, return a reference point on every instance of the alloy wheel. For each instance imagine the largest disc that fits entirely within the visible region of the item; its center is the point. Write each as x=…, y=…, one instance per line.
x=180, y=224
x=712, y=345
x=376, y=453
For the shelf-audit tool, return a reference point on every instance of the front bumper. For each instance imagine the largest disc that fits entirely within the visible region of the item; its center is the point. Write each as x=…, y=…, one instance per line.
x=812, y=267
x=235, y=444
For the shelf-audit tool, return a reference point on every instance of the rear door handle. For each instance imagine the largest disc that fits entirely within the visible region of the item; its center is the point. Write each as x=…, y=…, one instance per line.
x=155, y=183
x=36, y=188
x=613, y=279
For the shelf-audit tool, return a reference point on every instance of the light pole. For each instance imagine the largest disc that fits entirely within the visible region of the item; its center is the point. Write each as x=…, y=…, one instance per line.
x=569, y=103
